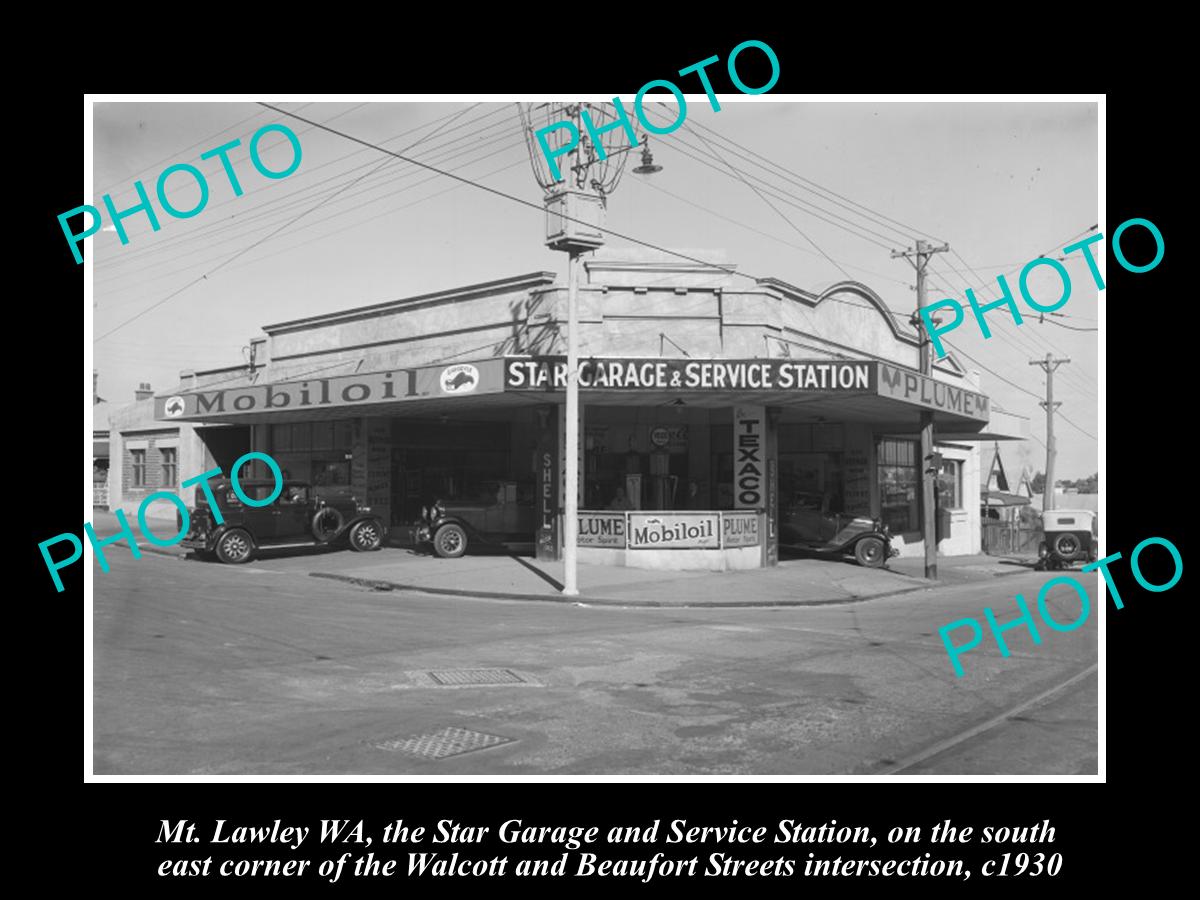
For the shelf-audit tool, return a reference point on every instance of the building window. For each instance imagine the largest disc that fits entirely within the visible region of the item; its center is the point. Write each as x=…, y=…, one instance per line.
x=899, y=485
x=950, y=493
x=281, y=437
x=169, y=468
x=137, y=468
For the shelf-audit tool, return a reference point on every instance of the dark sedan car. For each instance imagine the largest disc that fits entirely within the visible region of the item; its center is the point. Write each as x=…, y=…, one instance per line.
x=497, y=514
x=806, y=524
x=296, y=518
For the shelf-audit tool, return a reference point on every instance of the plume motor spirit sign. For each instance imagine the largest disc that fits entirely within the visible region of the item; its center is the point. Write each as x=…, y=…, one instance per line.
x=912, y=387
x=739, y=529
x=601, y=529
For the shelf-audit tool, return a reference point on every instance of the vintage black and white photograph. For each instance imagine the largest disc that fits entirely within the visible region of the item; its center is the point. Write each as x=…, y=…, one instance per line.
x=731, y=434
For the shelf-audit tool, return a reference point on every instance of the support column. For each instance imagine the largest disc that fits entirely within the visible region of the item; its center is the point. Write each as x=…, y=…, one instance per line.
x=377, y=493
x=770, y=536
x=928, y=505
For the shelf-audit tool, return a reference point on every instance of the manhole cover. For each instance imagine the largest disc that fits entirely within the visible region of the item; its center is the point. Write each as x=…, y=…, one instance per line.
x=444, y=743
x=475, y=676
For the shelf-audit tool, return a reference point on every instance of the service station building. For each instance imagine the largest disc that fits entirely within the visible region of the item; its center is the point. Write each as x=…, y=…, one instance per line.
x=712, y=408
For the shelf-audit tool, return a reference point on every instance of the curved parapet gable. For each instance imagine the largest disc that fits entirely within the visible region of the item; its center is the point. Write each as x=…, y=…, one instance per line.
x=900, y=331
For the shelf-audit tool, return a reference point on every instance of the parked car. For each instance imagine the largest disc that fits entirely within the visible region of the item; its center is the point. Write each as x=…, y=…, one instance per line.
x=298, y=517
x=1067, y=538
x=806, y=524
x=496, y=515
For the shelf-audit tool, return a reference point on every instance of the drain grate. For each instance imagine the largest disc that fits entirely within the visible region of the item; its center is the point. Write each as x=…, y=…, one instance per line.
x=445, y=743
x=451, y=679
x=475, y=676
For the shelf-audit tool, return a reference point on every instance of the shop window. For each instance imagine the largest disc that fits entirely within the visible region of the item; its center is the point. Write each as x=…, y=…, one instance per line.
x=137, y=468
x=343, y=435
x=170, y=469
x=281, y=437
x=301, y=436
x=330, y=474
x=322, y=435
x=899, y=485
x=950, y=484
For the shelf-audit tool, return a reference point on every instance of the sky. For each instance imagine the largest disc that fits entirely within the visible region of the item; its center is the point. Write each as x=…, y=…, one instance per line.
x=821, y=191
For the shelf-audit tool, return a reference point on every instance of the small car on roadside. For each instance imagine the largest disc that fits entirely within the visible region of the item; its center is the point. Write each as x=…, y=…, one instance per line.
x=1067, y=538
x=805, y=524
x=298, y=517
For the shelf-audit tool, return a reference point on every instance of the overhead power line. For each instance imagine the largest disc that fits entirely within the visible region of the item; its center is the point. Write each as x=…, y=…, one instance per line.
x=779, y=212
x=512, y=197
x=175, y=156
x=240, y=253
x=365, y=189
x=268, y=143
x=1077, y=428
x=276, y=204
x=903, y=229
x=375, y=198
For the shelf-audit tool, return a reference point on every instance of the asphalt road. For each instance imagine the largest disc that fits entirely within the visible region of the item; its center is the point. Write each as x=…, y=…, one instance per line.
x=206, y=669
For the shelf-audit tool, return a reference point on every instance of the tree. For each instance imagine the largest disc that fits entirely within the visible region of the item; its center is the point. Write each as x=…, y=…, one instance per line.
x=1038, y=483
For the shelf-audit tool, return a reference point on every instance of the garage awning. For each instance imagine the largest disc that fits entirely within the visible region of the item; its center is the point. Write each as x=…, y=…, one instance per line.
x=842, y=390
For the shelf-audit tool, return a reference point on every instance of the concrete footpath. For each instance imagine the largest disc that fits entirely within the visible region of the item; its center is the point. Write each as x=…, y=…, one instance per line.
x=500, y=575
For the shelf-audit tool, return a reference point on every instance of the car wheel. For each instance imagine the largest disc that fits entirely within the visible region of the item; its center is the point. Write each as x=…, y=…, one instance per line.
x=327, y=523
x=450, y=542
x=870, y=552
x=235, y=546
x=1066, y=545
x=366, y=535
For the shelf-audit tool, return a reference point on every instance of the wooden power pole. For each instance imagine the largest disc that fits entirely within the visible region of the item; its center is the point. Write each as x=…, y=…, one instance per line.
x=1048, y=366
x=920, y=259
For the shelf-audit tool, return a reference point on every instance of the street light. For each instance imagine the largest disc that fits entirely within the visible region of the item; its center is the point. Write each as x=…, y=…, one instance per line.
x=575, y=208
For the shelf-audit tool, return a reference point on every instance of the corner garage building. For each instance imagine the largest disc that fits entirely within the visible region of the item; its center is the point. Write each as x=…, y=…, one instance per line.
x=708, y=410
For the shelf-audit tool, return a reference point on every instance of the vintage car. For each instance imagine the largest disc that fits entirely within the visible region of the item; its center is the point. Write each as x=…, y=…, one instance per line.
x=298, y=517
x=1067, y=538
x=496, y=515
x=806, y=524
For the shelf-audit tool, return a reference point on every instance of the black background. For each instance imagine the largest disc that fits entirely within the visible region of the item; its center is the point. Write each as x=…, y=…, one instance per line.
x=1111, y=834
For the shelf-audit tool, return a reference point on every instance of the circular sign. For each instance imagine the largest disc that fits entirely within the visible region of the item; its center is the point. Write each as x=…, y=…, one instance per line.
x=460, y=379
x=660, y=436
x=174, y=407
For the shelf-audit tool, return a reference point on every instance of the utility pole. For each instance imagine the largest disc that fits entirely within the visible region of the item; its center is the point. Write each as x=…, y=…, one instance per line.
x=919, y=258
x=575, y=209
x=1048, y=366
x=571, y=436
x=571, y=432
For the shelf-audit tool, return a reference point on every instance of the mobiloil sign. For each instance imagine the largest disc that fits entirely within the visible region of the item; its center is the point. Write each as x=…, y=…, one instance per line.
x=675, y=531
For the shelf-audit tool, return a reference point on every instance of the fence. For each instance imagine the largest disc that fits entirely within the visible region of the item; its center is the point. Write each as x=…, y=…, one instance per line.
x=1010, y=539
